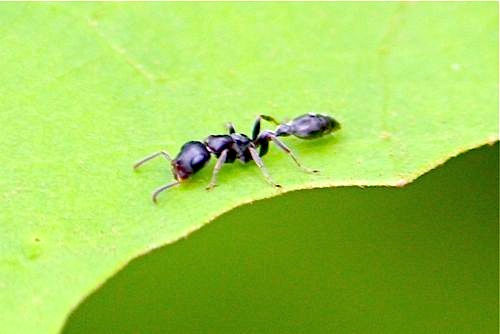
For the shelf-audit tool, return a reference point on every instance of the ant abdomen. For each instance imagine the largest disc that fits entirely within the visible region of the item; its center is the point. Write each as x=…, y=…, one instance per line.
x=309, y=126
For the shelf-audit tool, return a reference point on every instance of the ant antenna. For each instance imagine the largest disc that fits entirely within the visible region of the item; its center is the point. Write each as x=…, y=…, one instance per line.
x=162, y=188
x=150, y=157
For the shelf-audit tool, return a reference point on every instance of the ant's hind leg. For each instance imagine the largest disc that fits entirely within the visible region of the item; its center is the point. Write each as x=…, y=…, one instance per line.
x=263, y=169
x=218, y=166
x=287, y=150
x=152, y=156
x=256, y=125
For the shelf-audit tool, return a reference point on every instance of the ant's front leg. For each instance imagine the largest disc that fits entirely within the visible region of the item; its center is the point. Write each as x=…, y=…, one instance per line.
x=218, y=166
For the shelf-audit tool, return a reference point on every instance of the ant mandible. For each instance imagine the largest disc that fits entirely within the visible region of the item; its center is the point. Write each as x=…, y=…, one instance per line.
x=194, y=155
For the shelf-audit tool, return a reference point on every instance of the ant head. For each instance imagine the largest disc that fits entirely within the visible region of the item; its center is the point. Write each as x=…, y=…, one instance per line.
x=180, y=171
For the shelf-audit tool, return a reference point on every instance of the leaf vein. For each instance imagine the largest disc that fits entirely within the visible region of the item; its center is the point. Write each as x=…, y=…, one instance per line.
x=121, y=52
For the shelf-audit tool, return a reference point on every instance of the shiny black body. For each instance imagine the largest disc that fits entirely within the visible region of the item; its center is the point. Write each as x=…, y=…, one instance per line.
x=233, y=146
x=192, y=157
x=308, y=126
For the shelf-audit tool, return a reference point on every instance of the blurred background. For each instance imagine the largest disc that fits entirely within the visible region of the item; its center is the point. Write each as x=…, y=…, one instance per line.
x=421, y=259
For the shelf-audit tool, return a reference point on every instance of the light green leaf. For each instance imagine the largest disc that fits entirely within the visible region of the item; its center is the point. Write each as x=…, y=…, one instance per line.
x=87, y=89
x=419, y=259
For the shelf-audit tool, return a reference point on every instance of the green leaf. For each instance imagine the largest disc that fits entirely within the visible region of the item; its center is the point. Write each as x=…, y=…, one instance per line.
x=87, y=89
x=419, y=259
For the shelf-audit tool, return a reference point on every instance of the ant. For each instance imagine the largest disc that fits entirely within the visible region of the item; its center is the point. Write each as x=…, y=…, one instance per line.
x=194, y=155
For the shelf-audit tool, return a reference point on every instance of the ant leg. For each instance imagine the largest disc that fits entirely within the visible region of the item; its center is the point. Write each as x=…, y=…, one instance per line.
x=230, y=127
x=162, y=188
x=290, y=153
x=263, y=169
x=256, y=125
x=152, y=156
x=263, y=144
x=256, y=129
x=218, y=166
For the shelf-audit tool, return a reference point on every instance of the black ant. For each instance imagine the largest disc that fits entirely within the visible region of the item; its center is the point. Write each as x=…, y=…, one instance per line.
x=227, y=148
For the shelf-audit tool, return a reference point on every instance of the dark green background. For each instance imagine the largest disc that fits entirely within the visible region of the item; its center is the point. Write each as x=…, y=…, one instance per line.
x=422, y=259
